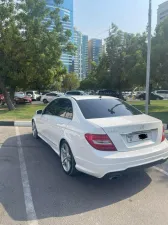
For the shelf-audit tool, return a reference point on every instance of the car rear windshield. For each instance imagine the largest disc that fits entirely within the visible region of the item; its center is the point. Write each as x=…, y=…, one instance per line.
x=103, y=108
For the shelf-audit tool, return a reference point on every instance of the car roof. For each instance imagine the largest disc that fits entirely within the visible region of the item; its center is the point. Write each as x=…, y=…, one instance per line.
x=85, y=97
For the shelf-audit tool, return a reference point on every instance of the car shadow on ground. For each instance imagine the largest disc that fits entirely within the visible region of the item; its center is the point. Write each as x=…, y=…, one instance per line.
x=54, y=193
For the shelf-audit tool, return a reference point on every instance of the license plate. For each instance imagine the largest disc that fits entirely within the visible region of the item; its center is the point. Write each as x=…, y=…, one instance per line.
x=138, y=137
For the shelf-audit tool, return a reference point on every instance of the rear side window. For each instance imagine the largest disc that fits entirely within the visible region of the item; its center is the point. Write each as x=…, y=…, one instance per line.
x=29, y=92
x=61, y=108
x=73, y=93
x=51, y=94
x=104, y=108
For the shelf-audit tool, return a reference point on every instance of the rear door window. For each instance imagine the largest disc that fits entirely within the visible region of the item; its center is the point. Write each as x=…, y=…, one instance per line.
x=60, y=107
x=104, y=108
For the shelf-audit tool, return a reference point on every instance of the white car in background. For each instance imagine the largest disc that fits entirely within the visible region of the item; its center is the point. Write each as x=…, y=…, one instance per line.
x=162, y=93
x=34, y=95
x=50, y=97
x=100, y=135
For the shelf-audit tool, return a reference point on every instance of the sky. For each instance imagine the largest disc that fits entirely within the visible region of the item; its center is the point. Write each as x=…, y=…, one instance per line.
x=94, y=17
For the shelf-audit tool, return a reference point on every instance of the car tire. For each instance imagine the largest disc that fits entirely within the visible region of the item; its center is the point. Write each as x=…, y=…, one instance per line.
x=34, y=130
x=141, y=99
x=45, y=101
x=67, y=159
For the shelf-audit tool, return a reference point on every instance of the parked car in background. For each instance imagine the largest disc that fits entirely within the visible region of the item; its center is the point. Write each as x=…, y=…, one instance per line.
x=162, y=93
x=50, y=96
x=153, y=96
x=75, y=93
x=106, y=92
x=110, y=93
x=100, y=136
x=43, y=93
x=127, y=94
x=2, y=100
x=19, y=98
x=137, y=93
x=35, y=96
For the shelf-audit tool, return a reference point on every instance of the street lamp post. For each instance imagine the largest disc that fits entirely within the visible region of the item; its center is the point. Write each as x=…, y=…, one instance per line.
x=148, y=57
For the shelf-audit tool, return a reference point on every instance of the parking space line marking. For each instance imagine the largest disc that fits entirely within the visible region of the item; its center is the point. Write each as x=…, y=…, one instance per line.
x=31, y=214
x=161, y=170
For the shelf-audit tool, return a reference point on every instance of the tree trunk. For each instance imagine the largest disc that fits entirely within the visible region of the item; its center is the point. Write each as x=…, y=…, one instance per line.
x=6, y=96
x=12, y=93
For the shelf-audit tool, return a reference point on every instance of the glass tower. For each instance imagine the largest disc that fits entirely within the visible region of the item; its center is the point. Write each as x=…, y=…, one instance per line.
x=84, y=56
x=81, y=56
x=66, y=9
x=94, y=51
x=78, y=56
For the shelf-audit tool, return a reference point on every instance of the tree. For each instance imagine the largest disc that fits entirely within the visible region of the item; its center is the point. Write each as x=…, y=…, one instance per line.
x=29, y=51
x=124, y=63
x=126, y=54
x=159, y=56
x=70, y=82
x=90, y=82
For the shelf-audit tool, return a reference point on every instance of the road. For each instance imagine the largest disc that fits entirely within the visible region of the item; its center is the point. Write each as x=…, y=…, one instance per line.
x=35, y=191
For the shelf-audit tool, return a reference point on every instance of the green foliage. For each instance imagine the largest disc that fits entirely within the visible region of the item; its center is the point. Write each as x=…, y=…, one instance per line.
x=30, y=52
x=159, y=59
x=70, y=82
x=123, y=65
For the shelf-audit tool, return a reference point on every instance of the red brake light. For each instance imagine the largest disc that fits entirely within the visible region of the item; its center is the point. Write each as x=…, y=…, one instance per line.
x=100, y=142
x=163, y=134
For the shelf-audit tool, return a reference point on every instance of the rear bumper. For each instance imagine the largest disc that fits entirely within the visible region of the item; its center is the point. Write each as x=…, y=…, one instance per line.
x=126, y=163
x=134, y=169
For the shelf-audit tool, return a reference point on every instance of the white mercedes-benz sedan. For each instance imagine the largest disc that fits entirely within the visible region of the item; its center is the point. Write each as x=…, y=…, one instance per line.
x=100, y=135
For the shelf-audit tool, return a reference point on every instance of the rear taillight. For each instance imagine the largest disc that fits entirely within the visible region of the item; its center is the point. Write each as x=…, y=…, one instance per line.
x=163, y=135
x=100, y=142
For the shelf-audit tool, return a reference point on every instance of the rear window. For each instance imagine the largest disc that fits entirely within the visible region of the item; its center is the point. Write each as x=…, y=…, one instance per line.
x=73, y=93
x=162, y=92
x=108, y=93
x=104, y=108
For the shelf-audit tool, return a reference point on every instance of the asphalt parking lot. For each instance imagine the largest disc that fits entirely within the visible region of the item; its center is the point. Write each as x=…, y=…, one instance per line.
x=34, y=189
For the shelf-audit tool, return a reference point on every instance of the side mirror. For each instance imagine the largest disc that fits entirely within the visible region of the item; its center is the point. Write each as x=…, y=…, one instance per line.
x=38, y=112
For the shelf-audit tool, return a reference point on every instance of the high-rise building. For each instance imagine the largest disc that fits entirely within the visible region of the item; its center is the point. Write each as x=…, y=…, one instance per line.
x=104, y=48
x=84, y=56
x=162, y=12
x=94, y=51
x=66, y=9
x=81, y=57
x=78, y=55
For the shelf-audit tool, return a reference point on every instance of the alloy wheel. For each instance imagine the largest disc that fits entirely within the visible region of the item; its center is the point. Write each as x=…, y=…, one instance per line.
x=66, y=158
x=34, y=130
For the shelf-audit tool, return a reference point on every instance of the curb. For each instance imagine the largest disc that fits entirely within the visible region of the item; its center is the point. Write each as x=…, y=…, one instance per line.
x=15, y=123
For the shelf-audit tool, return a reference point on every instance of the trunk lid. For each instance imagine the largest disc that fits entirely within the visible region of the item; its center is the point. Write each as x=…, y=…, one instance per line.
x=129, y=133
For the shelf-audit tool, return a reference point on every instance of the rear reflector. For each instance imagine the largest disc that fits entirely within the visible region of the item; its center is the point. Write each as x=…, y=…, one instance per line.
x=163, y=135
x=100, y=142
